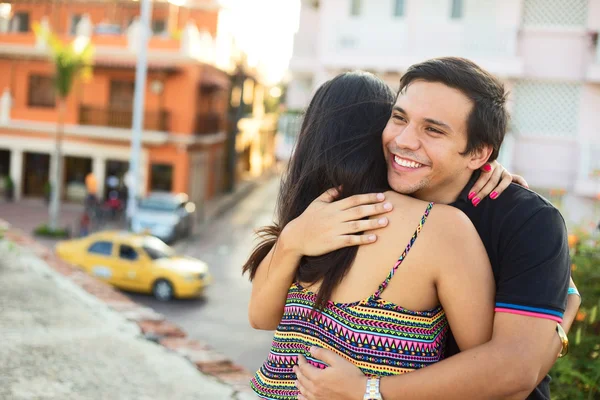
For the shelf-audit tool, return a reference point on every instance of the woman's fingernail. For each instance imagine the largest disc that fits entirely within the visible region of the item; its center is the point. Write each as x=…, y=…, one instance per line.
x=476, y=201
x=380, y=196
x=387, y=206
x=494, y=195
x=487, y=167
x=382, y=221
x=471, y=195
x=371, y=239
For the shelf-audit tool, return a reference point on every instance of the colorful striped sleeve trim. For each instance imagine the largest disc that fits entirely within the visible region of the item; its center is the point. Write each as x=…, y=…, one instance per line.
x=529, y=311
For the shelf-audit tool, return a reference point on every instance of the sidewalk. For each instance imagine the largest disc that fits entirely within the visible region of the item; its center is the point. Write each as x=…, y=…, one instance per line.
x=67, y=336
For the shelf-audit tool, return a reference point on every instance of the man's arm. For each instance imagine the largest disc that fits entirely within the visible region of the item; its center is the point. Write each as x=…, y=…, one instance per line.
x=507, y=367
x=531, y=292
x=515, y=349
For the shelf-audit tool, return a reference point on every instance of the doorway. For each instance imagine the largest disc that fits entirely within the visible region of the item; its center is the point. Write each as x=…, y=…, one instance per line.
x=36, y=174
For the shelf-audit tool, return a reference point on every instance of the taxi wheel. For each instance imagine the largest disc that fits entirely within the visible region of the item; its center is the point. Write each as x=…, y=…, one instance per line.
x=163, y=290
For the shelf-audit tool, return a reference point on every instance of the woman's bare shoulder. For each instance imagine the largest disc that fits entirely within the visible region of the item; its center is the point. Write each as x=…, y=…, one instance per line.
x=443, y=219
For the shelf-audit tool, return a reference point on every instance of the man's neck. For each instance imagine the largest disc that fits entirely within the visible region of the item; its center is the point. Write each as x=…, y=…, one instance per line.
x=445, y=194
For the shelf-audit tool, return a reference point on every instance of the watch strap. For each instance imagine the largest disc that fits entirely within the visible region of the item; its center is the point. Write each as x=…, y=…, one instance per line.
x=372, y=390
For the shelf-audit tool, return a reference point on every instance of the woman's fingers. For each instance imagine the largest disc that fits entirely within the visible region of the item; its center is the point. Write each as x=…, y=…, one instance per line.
x=355, y=240
x=491, y=188
x=360, y=212
x=359, y=200
x=519, y=180
x=363, y=225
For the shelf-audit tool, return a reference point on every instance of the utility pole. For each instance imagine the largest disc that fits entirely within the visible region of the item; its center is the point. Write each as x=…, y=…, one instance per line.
x=238, y=114
x=138, y=107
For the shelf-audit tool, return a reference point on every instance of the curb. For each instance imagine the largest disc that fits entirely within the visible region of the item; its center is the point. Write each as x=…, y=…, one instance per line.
x=153, y=326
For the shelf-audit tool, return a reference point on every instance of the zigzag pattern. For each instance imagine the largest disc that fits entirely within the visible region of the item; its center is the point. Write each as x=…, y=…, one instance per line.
x=379, y=337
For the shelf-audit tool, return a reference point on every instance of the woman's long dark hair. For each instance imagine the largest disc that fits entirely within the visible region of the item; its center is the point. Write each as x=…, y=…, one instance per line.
x=339, y=146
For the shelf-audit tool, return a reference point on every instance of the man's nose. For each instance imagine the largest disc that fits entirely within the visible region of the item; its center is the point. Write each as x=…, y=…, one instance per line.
x=408, y=138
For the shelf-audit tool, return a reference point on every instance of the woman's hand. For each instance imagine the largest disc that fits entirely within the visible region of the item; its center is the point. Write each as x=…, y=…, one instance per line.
x=493, y=181
x=328, y=225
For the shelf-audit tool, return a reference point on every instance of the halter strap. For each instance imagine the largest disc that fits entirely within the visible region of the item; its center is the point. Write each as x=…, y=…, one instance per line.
x=385, y=283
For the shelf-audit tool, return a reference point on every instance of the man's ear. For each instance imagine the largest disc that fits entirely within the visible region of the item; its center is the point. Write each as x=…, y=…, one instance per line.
x=478, y=157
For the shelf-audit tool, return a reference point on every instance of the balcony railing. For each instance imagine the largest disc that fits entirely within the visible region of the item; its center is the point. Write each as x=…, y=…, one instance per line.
x=153, y=120
x=207, y=123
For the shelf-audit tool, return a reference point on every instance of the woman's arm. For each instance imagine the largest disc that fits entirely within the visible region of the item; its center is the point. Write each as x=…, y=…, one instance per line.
x=270, y=286
x=323, y=227
x=465, y=282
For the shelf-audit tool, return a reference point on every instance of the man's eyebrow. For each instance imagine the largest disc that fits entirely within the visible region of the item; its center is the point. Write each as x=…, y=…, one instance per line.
x=429, y=120
x=438, y=123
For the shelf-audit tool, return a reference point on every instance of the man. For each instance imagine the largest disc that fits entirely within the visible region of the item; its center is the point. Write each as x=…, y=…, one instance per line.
x=449, y=120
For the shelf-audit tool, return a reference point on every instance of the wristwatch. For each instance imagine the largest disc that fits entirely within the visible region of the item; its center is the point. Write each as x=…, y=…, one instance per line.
x=372, y=391
x=564, y=340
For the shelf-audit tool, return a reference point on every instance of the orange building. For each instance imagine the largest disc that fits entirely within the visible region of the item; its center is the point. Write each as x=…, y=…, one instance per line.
x=186, y=98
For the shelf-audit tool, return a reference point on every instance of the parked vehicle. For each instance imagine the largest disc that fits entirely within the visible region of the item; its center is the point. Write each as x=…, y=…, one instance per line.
x=167, y=216
x=137, y=263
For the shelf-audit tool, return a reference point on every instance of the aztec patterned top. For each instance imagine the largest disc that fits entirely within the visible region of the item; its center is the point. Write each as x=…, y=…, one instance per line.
x=379, y=337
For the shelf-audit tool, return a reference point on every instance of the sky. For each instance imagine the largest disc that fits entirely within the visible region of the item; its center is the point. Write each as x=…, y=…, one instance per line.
x=265, y=30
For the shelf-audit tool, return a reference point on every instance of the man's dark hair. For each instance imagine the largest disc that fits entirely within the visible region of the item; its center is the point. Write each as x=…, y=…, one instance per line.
x=488, y=121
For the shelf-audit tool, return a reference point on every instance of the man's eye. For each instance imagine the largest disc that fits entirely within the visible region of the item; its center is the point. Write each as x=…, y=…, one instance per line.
x=435, y=131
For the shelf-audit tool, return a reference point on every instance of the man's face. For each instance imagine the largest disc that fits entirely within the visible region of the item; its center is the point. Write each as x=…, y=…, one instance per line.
x=424, y=139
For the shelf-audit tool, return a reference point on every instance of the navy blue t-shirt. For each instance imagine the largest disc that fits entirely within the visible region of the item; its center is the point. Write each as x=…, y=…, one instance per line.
x=527, y=242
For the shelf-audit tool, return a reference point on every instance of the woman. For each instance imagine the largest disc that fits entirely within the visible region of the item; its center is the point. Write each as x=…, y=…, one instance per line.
x=387, y=317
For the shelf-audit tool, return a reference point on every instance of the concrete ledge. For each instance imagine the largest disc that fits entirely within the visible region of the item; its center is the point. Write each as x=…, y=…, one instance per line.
x=146, y=322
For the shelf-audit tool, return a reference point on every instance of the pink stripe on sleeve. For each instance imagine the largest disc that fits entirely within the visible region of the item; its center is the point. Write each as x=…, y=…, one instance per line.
x=528, y=314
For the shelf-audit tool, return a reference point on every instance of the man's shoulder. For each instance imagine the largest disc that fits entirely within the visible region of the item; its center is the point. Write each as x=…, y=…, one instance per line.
x=518, y=203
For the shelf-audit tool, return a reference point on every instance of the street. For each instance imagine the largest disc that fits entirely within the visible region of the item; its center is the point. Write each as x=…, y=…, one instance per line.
x=220, y=318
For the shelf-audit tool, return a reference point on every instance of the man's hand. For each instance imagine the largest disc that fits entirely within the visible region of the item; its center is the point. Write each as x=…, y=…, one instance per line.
x=328, y=225
x=494, y=179
x=340, y=381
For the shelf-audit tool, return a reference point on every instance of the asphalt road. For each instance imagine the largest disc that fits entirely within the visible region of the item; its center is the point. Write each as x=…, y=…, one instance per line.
x=220, y=317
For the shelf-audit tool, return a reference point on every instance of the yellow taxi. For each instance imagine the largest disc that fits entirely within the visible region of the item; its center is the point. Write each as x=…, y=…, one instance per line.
x=137, y=263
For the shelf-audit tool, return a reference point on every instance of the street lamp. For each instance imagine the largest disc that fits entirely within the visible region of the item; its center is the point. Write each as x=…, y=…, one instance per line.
x=141, y=70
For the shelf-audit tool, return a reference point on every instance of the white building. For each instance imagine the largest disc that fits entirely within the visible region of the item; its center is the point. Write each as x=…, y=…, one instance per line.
x=546, y=51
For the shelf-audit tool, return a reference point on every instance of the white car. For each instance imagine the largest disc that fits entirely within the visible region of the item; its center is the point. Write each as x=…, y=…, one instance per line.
x=167, y=216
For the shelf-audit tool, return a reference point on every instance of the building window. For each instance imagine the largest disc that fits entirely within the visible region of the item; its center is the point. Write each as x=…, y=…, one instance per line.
x=399, y=8
x=121, y=95
x=74, y=21
x=159, y=26
x=456, y=11
x=546, y=108
x=41, y=91
x=161, y=177
x=20, y=22
x=555, y=13
x=355, y=6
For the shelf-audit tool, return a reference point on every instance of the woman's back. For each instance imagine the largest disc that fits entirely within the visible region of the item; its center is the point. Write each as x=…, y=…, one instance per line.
x=412, y=286
x=384, y=326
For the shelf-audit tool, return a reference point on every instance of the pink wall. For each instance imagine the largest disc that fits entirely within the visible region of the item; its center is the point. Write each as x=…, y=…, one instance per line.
x=555, y=54
x=589, y=116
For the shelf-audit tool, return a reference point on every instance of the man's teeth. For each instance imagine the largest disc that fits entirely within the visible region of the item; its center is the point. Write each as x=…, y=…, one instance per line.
x=407, y=164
